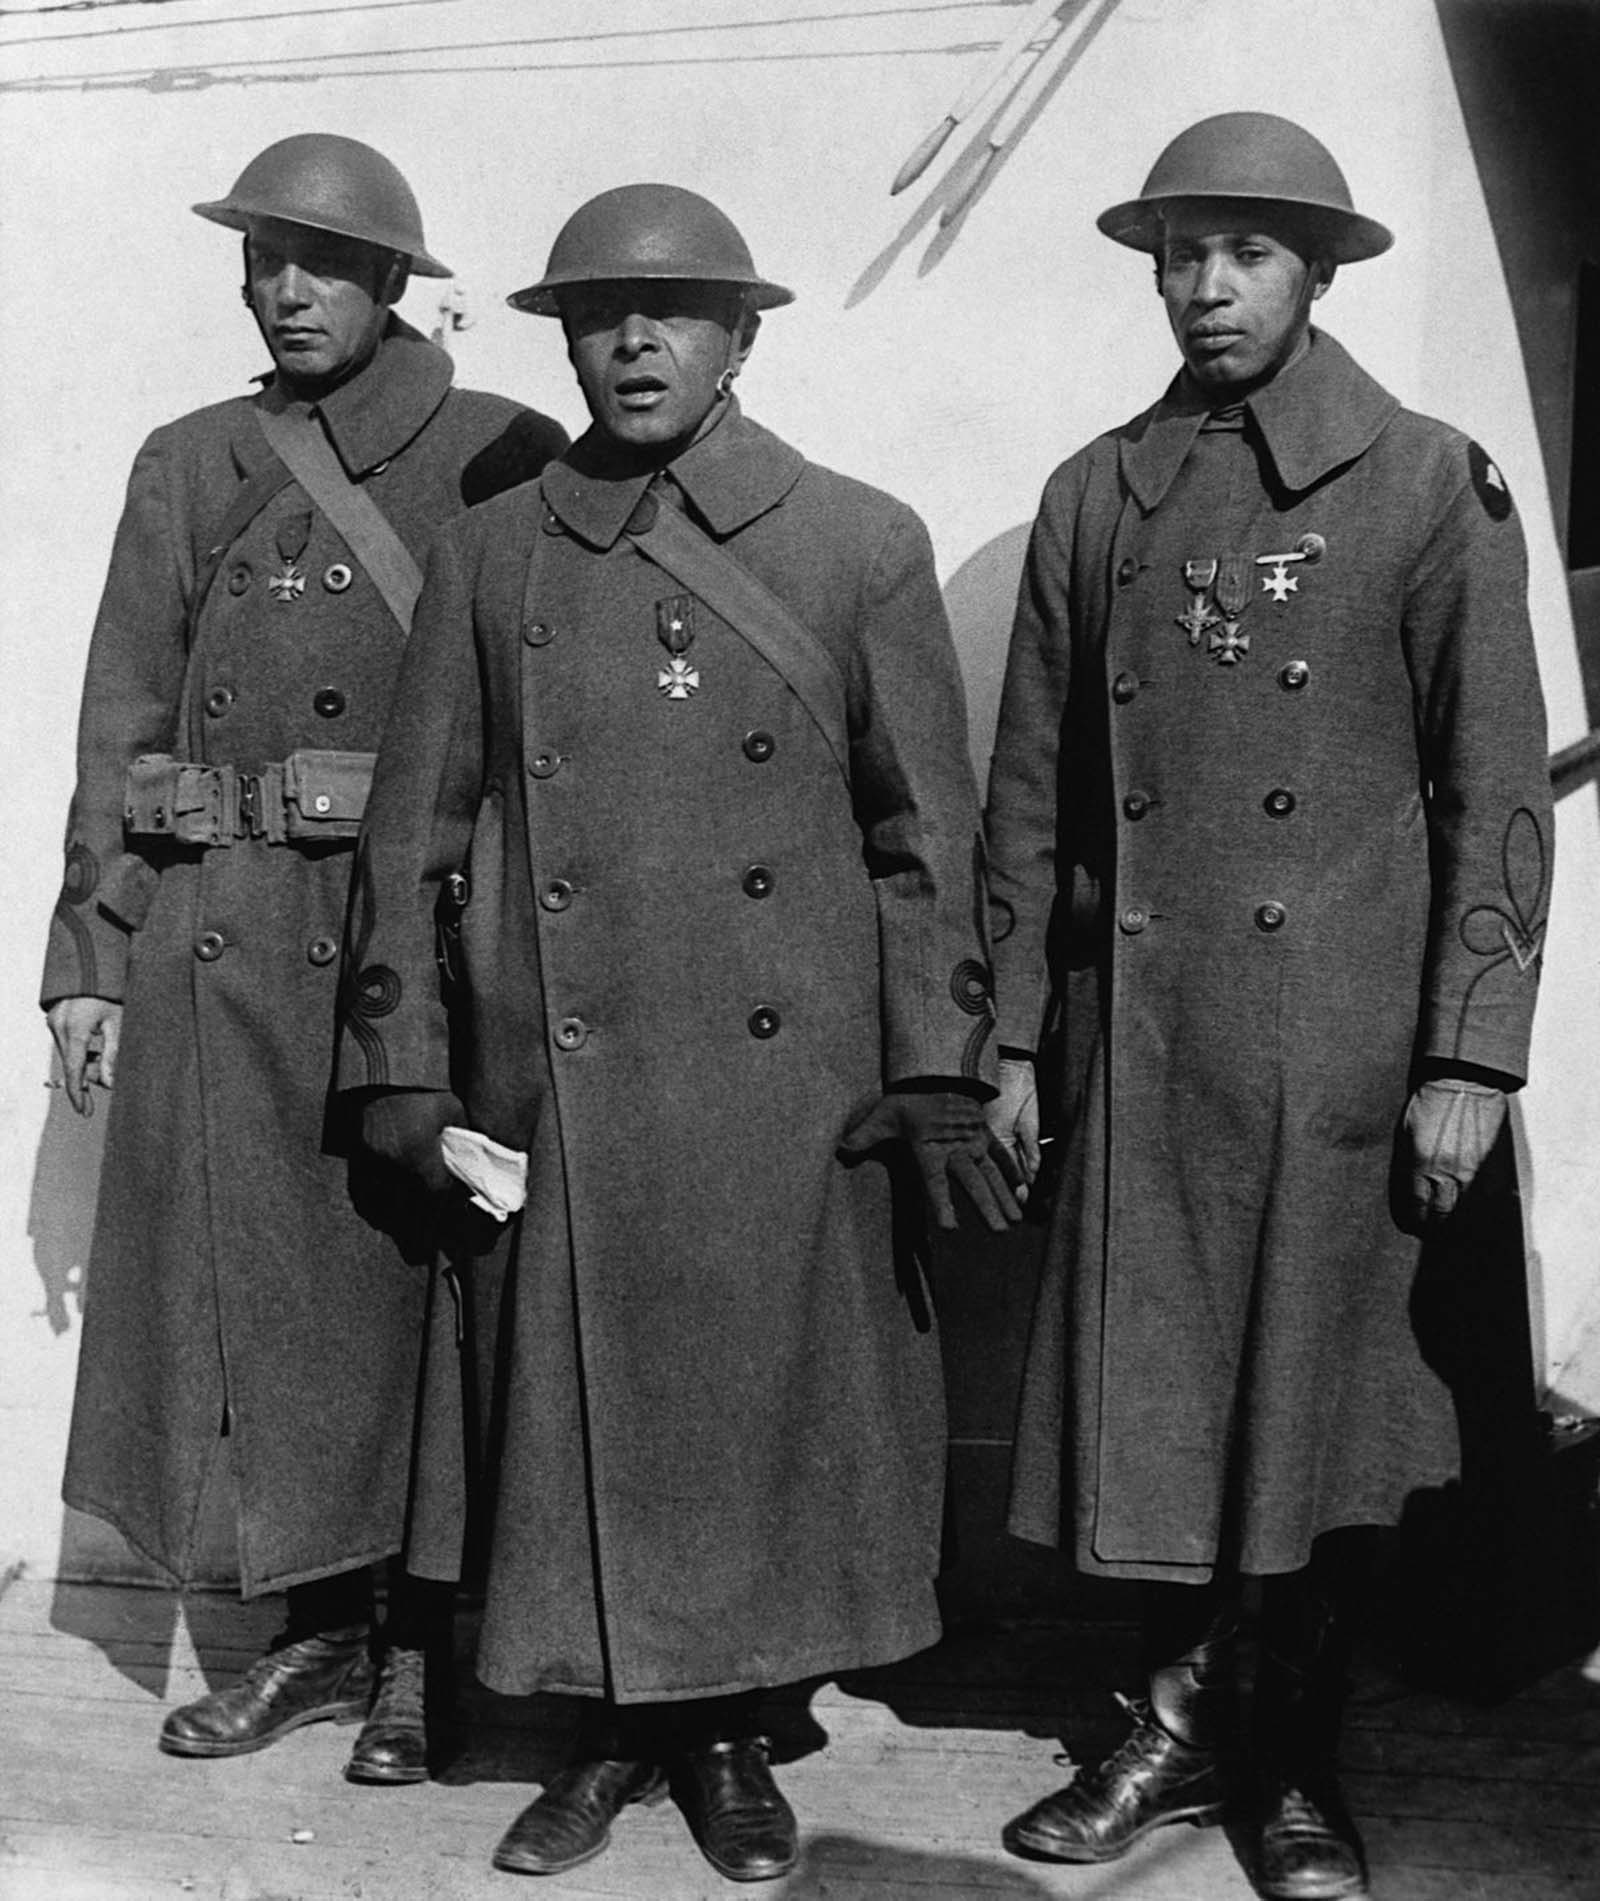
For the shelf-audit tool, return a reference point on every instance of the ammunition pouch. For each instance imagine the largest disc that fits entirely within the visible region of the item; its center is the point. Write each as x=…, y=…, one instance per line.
x=310, y=797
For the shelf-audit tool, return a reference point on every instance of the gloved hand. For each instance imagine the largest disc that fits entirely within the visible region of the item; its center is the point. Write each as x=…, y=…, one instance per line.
x=1452, y=1125
x=1013, y=1119
x=949, y=1141
x=402, y=1127
x=87, y=1031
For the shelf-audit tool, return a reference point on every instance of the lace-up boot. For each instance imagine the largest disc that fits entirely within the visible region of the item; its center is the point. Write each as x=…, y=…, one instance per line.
x=325, y=1677
x=1170, y=1768
x=1307, y=1848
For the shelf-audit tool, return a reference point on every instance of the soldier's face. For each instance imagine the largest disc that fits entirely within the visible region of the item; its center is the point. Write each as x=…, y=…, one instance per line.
x=650, y=357
x=321, y=300
x=1238, y=298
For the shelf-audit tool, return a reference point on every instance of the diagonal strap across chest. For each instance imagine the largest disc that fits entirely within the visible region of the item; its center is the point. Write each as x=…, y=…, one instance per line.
x=757, y=615
x=299, y=444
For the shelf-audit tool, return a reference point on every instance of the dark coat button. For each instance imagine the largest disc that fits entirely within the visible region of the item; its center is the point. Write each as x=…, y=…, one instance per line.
x=1127, y=568
x=1293, y=675
x=1271, y=917
x=329, y=703
x=544, y=764
x=238, y=579
x=758, y=882
x=571, y=1033
x=643, y=518
x=538, y=633
x=1124, y=687
x=759, y=746
x=1279, y=802
x=209, y=946
x=1136, y=804
x=1134, y=919
x=764, y=1022
x=337, y=577
x=322, y=950
x=556, y=895
x=218, y=700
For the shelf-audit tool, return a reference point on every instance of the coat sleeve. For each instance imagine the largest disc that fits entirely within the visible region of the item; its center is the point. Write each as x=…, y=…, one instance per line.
x=1025, y=774
x=133, y=687
x=917, y=804
x=1481, y=727
x=393, y=1024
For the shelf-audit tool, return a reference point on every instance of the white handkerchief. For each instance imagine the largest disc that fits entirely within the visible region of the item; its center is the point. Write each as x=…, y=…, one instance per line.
x=498, y=1177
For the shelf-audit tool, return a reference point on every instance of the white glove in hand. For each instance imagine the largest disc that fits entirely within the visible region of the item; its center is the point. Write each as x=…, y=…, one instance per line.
x=1014, y=1118
x=1452, y=1125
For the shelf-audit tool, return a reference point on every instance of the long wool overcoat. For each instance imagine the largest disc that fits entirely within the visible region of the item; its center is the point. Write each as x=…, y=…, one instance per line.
x=1268, y=834
x=230, y=1276
x=691, y=951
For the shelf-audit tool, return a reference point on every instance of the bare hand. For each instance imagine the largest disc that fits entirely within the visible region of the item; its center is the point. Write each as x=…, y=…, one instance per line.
x=1014, y=1119
x=87, y=1031
x=1452, y=1124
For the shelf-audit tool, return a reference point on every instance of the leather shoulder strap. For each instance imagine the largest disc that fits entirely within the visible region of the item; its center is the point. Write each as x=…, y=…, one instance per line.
x=305, y=451
x=756, y=614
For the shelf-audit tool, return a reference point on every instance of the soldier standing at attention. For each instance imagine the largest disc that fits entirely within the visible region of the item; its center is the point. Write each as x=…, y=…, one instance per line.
x=1271, y=835
x=239, y=676
x=689, y=715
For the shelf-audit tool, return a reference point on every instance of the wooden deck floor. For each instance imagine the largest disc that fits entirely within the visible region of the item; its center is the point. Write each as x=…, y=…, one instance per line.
x=920, y=1767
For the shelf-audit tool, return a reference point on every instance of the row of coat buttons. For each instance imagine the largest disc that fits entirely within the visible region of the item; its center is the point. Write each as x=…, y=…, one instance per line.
x=210, y=945
x=759, y=881
x=1270, y=917
x=545, y=763
x=1292, y=676
x=1278, y=803
x=329, y=703
x=335, y=578
x=763, y=1023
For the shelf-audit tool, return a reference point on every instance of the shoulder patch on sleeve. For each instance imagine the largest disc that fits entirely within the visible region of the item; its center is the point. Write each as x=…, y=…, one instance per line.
x=1489, y=483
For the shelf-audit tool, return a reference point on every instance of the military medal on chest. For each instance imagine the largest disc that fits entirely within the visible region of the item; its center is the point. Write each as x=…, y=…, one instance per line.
x=675, y=630
x=1220, y=589
x=293, y=534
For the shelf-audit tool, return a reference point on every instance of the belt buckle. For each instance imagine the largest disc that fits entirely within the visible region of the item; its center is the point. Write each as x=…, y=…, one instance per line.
x=251, y=821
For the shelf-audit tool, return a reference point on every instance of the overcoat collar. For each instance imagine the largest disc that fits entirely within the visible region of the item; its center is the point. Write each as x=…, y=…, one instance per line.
x=732, y=475
x=371, y=418
x=1321, y=413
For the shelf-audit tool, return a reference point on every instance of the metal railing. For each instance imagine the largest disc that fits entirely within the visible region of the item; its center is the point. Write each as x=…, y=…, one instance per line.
x=1575, y=765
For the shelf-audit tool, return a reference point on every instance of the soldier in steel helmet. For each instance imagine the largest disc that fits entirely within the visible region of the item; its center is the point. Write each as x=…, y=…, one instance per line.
x=238, y=680
x=1270, y=831
x=724, y=977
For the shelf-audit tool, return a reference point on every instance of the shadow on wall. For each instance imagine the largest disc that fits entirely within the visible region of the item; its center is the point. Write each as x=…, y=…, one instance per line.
x=981, y=598
x=66, y=1176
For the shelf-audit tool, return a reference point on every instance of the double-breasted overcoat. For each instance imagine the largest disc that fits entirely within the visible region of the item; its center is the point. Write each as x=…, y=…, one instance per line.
x=230, y=1277
x=1270, y=824
x=697, y=941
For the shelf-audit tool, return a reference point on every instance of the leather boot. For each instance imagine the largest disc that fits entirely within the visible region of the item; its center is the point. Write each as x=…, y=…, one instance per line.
x=570, y=1821
x=743, y=1825
x=393, y=1744
x=1307, y=1846
x=1169, y=1769
x=325, y=1677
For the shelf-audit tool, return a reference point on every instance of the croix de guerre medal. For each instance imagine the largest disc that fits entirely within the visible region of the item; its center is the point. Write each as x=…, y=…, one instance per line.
x=1197, y=618
x=1226, y=644
x=293, y=534
x=675, y=630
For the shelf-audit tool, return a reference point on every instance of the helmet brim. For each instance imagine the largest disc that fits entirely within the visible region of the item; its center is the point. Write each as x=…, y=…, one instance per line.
x=541, y=299
x=1341, y=235
x=238, y=217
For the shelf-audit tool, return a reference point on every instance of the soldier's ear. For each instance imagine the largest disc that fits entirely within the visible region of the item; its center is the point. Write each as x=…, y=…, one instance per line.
x=396, y=279
x=1322, y=272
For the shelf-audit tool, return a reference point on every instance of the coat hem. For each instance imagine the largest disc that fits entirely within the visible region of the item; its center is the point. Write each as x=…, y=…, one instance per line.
x=819, y=1664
